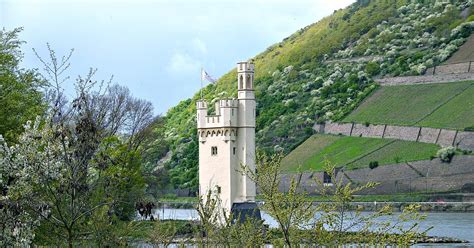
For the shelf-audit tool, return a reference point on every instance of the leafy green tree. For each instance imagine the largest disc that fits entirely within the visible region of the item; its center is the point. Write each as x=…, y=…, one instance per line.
x=76, y=172
x=20, y=96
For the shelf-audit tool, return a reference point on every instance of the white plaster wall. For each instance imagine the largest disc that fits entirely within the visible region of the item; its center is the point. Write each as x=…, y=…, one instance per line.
x=216, y=170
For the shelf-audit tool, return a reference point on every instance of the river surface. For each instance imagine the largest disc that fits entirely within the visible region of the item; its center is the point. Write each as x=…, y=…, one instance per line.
x=455, y=225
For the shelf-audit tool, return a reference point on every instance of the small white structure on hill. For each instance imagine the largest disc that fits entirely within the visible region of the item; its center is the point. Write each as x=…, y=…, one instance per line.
x=226, y=142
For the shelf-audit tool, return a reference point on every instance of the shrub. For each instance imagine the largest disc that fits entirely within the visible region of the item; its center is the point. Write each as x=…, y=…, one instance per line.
x=471, y=129
x=446, y=154
x=373, y=164
x=397, y=159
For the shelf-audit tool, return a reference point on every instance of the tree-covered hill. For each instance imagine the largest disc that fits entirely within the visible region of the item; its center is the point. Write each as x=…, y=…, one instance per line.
x=321, y=72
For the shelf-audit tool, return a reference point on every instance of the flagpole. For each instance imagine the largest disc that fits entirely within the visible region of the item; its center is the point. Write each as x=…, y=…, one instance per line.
x=200, y=76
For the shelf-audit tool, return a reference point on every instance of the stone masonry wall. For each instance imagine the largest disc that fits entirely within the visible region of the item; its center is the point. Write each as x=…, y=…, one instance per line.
x=419, y=176
x=429, y=135
x=373, y=131
x=402, y=133
x=465, y=140
x=464, y=67
x=446, y=137
x=338, y=128
x=443, y=137
x=426, y=79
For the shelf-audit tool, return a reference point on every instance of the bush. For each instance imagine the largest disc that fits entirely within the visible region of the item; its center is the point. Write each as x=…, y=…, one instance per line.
x=446, y=154
x=373, y=164
x=471, y=129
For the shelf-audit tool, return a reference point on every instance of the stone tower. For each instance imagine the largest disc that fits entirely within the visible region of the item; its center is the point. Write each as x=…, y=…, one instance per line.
x=227, y=141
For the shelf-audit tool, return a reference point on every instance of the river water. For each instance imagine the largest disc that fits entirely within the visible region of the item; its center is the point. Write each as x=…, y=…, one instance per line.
x=455, y=225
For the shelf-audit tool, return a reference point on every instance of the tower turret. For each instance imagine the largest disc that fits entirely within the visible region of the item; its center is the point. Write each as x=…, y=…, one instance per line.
x=246, y=135
x=201, y=107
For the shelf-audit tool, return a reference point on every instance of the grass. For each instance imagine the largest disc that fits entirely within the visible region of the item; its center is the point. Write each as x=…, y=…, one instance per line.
x=456, y=114
x=307, y=149
x=396, y=152
x=448, y=105
x=355, y=152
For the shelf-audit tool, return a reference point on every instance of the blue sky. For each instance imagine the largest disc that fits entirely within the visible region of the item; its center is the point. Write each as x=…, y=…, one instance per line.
x=156, y=48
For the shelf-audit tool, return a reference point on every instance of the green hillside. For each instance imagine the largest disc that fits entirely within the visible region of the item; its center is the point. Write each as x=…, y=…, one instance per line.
x=354, y=152
x=449, y=105
x=296, y=85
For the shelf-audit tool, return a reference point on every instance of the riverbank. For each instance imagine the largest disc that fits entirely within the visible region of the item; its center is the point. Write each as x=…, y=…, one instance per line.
x=186, y=231
x=363, y=203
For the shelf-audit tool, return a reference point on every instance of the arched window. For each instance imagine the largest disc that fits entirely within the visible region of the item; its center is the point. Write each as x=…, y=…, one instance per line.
x=249, y=83
x=241, y=82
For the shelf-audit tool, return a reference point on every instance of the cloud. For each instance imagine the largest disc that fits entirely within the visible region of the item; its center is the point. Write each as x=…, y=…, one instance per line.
x=199, y=46
x=182, y=63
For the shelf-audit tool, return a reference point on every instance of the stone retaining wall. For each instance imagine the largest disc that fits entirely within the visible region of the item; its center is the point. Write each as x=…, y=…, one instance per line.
x=446, y=137
x=373, y=131
x=339, y=128
x=429, y=135
x=443, y=137
x=419, y=176
x=463, y=67
x=402, y=133
x=426, y=79
x=465, y=140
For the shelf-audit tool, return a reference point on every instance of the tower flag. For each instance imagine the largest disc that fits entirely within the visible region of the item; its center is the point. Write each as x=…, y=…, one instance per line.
x=206, y=77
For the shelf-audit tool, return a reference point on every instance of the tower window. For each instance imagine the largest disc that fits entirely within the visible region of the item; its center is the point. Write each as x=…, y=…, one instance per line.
x=218, y=189
x=232, y=112
x=233, y=150
x=214, y=150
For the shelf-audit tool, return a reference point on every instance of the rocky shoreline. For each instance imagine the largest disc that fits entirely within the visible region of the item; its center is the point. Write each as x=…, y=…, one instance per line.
x=439, y=240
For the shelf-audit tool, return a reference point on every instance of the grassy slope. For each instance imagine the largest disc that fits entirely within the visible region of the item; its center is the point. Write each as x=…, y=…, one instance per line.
x=307, y=149
x=397, y=151
x=457, y=113
x=355, y=152
x=447, y=105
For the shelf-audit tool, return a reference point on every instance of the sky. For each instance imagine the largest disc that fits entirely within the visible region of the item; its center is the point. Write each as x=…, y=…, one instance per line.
x=157, y=47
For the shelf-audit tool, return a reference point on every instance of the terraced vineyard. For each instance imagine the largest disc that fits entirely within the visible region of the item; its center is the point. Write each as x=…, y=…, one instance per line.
x=449, y=105
x=354, y=152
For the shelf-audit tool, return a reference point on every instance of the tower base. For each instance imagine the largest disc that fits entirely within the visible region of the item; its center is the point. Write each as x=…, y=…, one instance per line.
x=242, y=211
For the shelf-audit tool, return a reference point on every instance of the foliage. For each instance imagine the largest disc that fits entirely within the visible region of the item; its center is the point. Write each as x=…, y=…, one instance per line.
x=446, y=154
x=20, y=96
x=373, y=164
x=316, y=74
x=218, y=227
x=75, y=172
x=290, y=209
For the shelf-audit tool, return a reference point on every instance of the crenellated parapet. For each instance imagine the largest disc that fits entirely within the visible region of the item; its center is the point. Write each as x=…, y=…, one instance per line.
x=226, y=114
